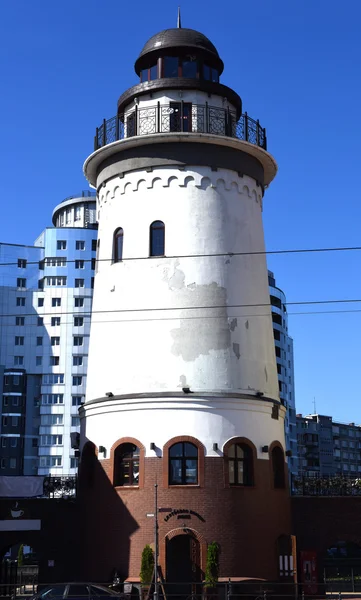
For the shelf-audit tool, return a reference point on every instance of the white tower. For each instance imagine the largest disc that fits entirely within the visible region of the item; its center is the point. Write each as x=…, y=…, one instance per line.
x=181, y=358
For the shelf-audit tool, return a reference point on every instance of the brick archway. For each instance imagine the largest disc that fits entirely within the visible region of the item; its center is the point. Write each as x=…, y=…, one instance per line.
x=181, y=531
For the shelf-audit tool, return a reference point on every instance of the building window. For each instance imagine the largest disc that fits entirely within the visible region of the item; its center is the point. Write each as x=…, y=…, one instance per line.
x=13, y=442
x=21, y=263
x=21, y=283
x=40, y=302
x=77, y=213
x=157, y=231
x=183, y=464
x=55, y=262
x=93, y=264
x=94, y=245
x=51, y=440
x=77, y=380
x=78, y=321
x=61, y=245
x=240, y=464
x=278, y=467
x=78, y=340
x=76, y=400
x=55, y=341
x=189, y=67
x=79, y=245
x=34, y=443
x=4, y=421
x=55, y=281
x=12, y=463
x=40, y=321
x=74, y=462
x=46, y=420
x=15, y=421
x=55, y=302
x=52, y=399
x=118, y=245
x=79, y=264
x=79, y=283
x=19, y=321
x=126, y=465
x=20, y=301
x=77, y=361
x=55, y=321
x=39, y=341
x=18, y=360
x=78, y=302
x=38, y=361
x=19, y=340
x=75, y=421
x=50, y=461
x=3, y=442
x=54, y=361
x=53, y=378
x=170, y=66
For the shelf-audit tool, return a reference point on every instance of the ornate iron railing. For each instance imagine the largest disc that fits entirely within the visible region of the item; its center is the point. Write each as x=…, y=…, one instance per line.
x=326, y=485
x=177, y=117
x=60, y=487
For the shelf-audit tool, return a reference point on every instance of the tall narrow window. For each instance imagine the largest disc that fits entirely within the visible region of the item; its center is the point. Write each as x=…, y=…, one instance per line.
x=157, y=231
x=278, y=467
x=183, y=464
x=126, y=465
x=118, y=245
x=240, y=464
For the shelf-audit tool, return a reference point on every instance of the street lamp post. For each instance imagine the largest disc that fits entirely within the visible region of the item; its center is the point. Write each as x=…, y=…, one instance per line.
x=155, y=595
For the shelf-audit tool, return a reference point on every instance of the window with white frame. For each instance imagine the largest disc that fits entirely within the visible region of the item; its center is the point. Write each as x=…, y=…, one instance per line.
x=78, y=321
x=55, y=302
x=55, y=340
x=79, y=264
x=78, y=340
x=55, y=321
x=53, y=378
x=50, y=461
x=19, y=321
x=77, y=380
x=19, y=340
x=79, y=283
x=51, y=440
x=55, y=261
x=77, y=360
x=52, y=399
x=79, y=245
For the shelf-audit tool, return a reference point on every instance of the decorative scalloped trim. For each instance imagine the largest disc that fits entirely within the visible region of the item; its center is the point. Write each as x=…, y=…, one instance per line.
x=119, y=186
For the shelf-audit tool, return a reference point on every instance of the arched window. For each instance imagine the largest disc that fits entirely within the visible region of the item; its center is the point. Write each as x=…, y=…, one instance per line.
x=157, y=230
x=183, y=464
x=278, y=467
x=126, y=465
x=118, y=245
x=240, y=464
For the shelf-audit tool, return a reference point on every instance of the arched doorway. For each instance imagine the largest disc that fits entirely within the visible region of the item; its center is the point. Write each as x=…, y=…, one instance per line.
x=183, y=560
x=19, y=567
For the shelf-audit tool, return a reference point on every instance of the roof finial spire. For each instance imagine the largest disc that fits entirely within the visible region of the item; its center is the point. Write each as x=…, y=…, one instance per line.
x=179, y=23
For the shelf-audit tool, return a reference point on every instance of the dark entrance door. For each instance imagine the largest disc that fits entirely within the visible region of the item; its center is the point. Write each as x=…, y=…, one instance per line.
x=183, y=566
x=181, y=116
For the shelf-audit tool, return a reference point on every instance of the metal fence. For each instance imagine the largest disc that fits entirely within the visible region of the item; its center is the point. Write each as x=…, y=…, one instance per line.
x=245, y=590
x=180, y=117
x=60, y=487
x=326, y=485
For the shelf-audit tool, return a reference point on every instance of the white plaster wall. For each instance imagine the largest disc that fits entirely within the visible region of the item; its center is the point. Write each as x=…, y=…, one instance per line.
x=151, y=330
x=209, y=420
x=193, y=96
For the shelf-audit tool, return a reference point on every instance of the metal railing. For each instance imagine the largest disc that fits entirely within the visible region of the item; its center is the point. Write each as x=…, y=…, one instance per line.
x=180, y=117
x=326, y=485
x=82, y=194
x=60, y=487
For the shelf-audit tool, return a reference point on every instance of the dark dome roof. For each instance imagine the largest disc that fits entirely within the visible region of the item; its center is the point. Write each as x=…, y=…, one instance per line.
x=179, y=38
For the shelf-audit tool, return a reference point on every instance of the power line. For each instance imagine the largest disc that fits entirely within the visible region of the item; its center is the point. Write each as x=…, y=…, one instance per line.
x=88, y=314
x=220, y=254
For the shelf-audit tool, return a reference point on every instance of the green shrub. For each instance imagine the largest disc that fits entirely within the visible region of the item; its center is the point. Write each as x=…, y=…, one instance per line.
x=147, y=565
x=212, y=566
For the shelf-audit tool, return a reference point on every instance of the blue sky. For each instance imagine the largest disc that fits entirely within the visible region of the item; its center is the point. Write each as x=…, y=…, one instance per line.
x=296, y=65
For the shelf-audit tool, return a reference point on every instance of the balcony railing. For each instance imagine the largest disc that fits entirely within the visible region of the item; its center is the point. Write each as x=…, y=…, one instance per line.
x=326, y=485
x=180, y=117
x=62, y=486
